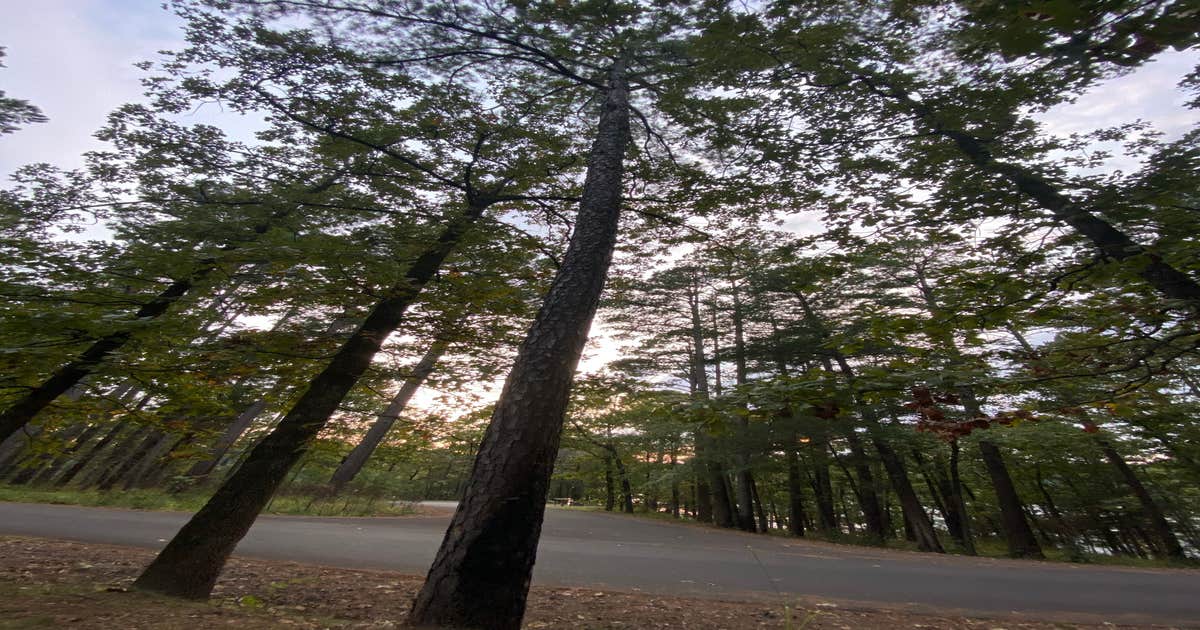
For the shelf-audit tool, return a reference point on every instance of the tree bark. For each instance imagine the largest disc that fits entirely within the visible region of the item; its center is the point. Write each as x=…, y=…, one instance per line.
x=64, y=378
x=960, y=505
x=795, y=493
x=480, y=576
x=744, y=488
x=1021, y=541
x=1167, y=544
x=229, y=437
x=1112, y=242
x=357, y=458
x=189, y=565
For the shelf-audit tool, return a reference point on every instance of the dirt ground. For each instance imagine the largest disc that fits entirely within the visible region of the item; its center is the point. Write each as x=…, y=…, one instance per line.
x=58, y=584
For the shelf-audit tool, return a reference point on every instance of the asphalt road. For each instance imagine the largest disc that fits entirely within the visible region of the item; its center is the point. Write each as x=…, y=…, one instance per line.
x=610, y=551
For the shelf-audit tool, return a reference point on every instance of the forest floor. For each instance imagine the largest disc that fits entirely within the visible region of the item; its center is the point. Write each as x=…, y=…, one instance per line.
x=57, y=584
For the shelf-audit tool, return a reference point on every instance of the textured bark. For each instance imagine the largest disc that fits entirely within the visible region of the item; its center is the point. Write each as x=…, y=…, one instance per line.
x=480, y=576
x=1164, y=538
x=357, y=458
x=189, y=565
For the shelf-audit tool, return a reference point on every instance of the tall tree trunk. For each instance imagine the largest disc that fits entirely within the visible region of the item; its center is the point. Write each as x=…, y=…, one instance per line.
x=87, y=456
x=1020, y=538
x=1021, y=541
x=868, y=498
x=228, y=438
x=480, y=576
x=715, y=502
x=795, y=493
x=139, y=453
x=940, y=492
x=764, y=526
x=823, y=488
x=744, y=488
x=189, y=565
x=626, y=489
x=1166, y=542
x=357, y=458
x=610, y=493
x=64, y=378
x=1112, y=242
x=960, y=506
x=914, y=514
x=48, y=473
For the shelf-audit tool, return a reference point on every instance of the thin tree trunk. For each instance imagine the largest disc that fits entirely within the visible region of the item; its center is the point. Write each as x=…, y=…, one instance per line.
x=610, y=492
x=795, y=493
x=229, y=437
x=1112, y=242
x=1021, y=541
x=140, y=452
x=964, y=525
x=480, y=576
x=357, y=458
x=1166, y=541
x=189, y=565
x=86, y=457
x=744, y=488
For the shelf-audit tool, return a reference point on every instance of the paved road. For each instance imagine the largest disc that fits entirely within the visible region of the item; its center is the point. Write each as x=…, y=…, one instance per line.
x=603, y=550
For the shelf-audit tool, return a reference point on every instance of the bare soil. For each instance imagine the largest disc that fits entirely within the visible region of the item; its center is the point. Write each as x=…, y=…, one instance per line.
x=58, y=584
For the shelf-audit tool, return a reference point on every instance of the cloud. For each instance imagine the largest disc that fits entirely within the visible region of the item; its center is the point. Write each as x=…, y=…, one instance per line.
x=74, y=59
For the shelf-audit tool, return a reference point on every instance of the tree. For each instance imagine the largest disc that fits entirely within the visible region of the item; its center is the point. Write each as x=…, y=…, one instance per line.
x=15, y=112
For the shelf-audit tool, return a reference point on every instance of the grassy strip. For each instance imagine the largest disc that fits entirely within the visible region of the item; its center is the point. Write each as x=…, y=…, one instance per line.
x=190, y=501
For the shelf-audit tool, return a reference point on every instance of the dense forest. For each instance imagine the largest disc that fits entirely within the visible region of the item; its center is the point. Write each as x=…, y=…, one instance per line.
x=850, y=283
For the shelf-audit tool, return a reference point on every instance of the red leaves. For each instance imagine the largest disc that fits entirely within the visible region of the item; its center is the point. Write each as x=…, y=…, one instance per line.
x=932, y=419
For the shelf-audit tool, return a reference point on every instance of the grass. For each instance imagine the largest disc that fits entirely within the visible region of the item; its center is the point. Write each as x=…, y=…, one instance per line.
x=192, y=500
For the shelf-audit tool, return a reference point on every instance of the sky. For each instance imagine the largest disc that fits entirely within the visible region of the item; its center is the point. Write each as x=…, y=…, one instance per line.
x=75, y=60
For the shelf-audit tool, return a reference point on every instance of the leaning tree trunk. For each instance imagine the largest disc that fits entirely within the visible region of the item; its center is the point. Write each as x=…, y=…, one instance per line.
x=189, y=565
x=1166, y=541
x=228, y=438
x=916, y=521
x=480, y=577
x=1112, y=242
x=64, y=378
x=1021, y=541
x=354, y=462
